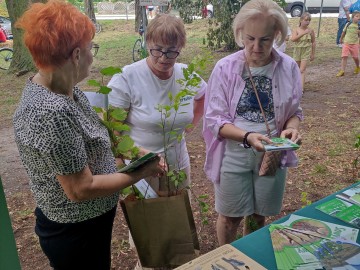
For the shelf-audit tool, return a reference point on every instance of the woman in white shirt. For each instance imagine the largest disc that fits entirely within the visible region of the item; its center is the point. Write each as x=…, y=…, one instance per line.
x=143, y=85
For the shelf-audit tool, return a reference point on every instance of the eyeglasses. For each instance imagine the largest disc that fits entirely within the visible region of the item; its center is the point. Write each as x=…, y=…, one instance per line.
x=160, y=53
x=94, y=49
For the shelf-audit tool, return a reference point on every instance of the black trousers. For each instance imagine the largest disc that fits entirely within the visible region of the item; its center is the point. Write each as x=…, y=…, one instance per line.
x=76, y=246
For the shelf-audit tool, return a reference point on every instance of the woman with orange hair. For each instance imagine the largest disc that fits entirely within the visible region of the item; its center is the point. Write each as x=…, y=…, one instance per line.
x=63, y=145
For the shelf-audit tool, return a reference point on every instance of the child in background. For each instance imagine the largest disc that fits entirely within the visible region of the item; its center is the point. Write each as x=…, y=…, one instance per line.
x=304, y=44
x=350, y=38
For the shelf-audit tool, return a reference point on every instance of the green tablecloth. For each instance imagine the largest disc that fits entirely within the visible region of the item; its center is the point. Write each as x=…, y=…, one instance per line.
x=258, y=244
x=8, y=254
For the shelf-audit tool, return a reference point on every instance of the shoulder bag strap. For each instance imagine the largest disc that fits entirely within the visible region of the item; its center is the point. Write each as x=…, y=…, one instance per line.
x=258, y=99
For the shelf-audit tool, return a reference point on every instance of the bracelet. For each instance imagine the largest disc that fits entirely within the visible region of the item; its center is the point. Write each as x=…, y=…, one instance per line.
x=245, y=141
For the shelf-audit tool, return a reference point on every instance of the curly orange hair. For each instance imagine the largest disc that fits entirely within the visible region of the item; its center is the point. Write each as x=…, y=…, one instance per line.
x=53, y=30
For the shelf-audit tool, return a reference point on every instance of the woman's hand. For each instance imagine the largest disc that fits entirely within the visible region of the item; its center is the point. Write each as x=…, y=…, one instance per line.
x=292, y=134
x=256, y=140
x=162, y=162
x=155, y=167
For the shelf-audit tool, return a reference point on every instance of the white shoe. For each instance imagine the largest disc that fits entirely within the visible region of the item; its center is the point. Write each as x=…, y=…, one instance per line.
x=339, y=45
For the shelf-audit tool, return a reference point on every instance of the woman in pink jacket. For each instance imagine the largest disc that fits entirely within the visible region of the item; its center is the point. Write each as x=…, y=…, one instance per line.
x=234, y=128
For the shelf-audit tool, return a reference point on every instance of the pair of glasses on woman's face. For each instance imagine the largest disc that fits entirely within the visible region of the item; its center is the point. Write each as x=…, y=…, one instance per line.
x=94, y=49
x=159, y=53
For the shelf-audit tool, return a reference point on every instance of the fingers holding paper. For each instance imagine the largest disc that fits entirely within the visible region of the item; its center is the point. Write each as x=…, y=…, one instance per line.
x=293, y=134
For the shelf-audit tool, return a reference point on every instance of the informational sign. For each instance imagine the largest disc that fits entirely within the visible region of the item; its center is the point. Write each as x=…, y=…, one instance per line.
x=154, y=2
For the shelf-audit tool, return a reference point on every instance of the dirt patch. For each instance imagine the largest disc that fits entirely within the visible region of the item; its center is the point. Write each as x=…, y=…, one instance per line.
x=332, y=118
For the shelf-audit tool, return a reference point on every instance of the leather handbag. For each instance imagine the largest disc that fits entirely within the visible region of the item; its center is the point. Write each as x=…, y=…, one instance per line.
x=270, y=161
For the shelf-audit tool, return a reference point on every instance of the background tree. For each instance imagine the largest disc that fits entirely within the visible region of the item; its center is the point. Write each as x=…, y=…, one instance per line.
x=22, y=61
x=188, y=9
x=140, y=15
x=89, y=9
x=220, y=33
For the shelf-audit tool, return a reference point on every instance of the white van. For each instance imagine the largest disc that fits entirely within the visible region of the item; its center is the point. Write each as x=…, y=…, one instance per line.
x=296, y=7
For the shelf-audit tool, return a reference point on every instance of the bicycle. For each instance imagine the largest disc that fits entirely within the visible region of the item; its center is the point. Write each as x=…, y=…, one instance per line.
x=139, y=51
x=6, y=55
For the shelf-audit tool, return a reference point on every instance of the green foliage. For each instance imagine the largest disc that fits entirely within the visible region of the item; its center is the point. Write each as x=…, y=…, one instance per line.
x=113, y=119
x=304, y=199
x=168, y=114
x=220, y=29
x=188, y=9
x=220, y=33
x=78, y=3
x=251, y=223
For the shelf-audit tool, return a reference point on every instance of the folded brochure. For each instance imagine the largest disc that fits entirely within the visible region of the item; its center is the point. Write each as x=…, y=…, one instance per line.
x=351, y=195
x=298, y=241
x=135, y=164
x=225, y=257
x=341, y=209
x=279, y=144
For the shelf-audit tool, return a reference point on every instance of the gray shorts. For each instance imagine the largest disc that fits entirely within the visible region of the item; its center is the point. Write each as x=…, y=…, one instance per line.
x=241, y=191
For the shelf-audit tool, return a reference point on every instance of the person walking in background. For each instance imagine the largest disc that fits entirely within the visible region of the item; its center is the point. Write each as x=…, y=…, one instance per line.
x=355, y=7
x=350, y=40
x=145, y=84
x=304, y=44
x=343, y=18
x=234, y=127
x=151, y=11
x=63, y=145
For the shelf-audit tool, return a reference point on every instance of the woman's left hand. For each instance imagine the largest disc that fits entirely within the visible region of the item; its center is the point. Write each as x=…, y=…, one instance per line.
x=292, y=134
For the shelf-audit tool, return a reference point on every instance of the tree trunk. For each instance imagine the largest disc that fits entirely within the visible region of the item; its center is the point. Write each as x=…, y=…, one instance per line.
x=140, y=15
x=22, y=60
x=89, y=9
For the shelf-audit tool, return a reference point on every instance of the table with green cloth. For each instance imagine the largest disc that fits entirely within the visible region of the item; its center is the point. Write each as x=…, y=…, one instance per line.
x=9, y=258
x=258, y=246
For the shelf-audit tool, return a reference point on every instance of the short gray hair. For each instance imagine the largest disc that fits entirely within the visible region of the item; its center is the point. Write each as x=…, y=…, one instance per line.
x=266, y=8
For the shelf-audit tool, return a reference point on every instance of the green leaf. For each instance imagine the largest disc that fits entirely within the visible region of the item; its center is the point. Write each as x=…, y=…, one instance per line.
x=98, y=109
x=120, y=127
x=110, y=71
x=93, y=83
x=119, y=114
x=189, y=126
x=170, y=96
x=104, y=90
x=125, y=145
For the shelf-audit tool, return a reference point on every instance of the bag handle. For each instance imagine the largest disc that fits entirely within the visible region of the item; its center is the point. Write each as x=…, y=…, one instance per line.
x=258, y=99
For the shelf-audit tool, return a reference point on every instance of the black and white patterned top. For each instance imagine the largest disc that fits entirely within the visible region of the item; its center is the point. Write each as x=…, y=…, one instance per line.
x=57, y=135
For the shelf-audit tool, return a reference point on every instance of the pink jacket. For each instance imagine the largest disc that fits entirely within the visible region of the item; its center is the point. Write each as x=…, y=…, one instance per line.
x=223, y=92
